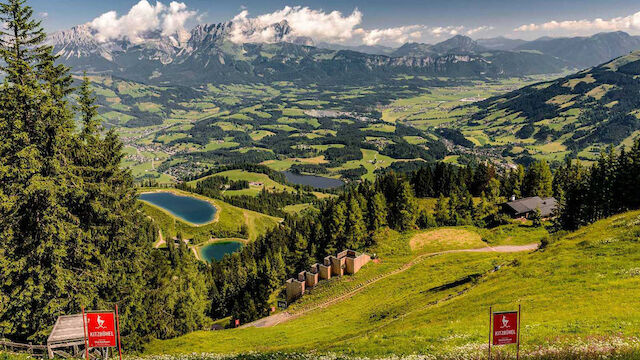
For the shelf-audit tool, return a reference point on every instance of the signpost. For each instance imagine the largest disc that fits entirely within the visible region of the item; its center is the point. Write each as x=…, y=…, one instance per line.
x=504, y=328
x=101, y=329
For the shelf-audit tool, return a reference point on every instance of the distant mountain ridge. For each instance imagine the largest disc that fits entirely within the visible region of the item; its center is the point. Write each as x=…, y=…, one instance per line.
x=209, y=53
x=501, y=43
x=581, y=52
x=585, y=52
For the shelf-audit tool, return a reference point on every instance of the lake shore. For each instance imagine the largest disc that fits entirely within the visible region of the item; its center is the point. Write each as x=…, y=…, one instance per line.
x=178, y=192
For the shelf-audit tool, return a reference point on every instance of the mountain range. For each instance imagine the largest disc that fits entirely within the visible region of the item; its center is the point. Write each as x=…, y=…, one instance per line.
x=212, y=53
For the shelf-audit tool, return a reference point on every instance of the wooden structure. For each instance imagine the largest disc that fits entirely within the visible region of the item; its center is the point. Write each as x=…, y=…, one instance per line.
x=68, y=333
x=524, y=208
x=66, y=340
x=33, y=350
x=345, y=262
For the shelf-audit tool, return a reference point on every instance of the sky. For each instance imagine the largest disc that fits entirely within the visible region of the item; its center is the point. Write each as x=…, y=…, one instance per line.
x=353, y=22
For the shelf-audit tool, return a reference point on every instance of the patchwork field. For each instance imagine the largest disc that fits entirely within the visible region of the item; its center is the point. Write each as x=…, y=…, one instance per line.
x=335, y=131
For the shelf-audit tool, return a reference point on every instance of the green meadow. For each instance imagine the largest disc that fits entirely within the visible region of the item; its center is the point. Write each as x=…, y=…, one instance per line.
x=580, y=286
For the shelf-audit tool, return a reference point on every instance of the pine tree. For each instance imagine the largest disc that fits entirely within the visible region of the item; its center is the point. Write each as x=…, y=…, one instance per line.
x=538, y=180
x=302, y=260
x=355, y=226
x=377, y=212
x=66, y=204
x=536, y=218
x=441, y=211
x=405, y=208
x=35, y=180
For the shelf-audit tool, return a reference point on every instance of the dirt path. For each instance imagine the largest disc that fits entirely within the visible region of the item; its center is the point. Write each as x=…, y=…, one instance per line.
x=160, y=241
x=278, y=318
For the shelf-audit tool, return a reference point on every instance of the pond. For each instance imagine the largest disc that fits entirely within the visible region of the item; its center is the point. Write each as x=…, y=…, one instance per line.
x=188, y=208
x=216, y=251
x=319, y=182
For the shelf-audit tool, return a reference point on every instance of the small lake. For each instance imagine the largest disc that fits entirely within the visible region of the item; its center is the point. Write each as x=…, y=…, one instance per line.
x=188, y=208
x=216, y=251
x=319, y=182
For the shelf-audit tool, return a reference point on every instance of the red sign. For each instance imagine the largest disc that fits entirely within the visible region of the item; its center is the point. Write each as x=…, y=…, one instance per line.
x=101, y=329
x=505, y=328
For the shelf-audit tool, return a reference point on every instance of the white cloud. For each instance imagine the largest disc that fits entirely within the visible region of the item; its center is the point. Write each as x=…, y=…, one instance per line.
x=398, y=35
x=623, y=23
x=317, y=24
x=403, y=34
x=43, y=15
x=176, y=17
x=304, y=22
x=142, y=18
x=479, y=29
x=440, y=31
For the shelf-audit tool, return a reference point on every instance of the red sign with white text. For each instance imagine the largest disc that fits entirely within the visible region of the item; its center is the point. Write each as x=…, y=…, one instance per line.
x=101, y=329
x=505, y=328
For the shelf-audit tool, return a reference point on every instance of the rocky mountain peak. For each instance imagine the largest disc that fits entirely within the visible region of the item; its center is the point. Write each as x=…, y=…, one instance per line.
x=457, y=44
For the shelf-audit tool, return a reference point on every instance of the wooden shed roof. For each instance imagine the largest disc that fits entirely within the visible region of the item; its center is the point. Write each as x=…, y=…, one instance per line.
x=68, y=328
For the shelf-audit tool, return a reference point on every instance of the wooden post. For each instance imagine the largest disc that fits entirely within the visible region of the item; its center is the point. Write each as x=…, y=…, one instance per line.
x=118, y=326
x=490, y=316
x=518, y=346
x=84, y=335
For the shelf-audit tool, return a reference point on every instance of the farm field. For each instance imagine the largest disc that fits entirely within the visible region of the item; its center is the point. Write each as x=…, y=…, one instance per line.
x=170, y=133
x=439, y=304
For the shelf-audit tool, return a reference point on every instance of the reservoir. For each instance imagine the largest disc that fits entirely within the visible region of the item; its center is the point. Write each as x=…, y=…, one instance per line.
x=319, y=182
x=187, y=208
x=216, y=251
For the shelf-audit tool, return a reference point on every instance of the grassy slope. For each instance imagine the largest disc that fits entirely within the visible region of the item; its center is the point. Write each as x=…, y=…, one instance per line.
x=229, y=219
x=585, y=283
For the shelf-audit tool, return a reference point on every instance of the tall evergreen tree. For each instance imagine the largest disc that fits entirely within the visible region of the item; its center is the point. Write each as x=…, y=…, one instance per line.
x=538, y=180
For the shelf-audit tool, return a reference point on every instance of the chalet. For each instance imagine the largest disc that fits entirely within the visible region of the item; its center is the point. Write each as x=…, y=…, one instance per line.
x=524, y=208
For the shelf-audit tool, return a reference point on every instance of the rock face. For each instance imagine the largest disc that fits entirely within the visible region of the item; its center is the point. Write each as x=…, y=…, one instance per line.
x=246, y=52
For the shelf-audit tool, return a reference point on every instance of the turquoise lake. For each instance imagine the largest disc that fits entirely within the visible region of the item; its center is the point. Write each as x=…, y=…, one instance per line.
x=188, y=208
x=216, y=251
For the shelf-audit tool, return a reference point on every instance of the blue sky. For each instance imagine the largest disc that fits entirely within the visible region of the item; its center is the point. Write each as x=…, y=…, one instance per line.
x=384, y=21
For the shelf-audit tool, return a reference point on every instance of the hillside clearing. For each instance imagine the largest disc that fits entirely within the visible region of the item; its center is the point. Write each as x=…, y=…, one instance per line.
x=443, y=238
x=440, y=303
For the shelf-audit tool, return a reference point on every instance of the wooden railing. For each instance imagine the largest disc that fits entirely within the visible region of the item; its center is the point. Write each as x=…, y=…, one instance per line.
x=33, y=350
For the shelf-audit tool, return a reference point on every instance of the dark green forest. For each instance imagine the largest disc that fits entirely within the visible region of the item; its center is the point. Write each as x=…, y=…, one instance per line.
x=72, y=232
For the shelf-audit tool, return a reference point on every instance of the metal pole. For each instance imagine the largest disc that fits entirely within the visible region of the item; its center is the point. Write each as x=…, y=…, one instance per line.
x=118, y=325
x=84, y=335
x=490, y=313
x=518, y=348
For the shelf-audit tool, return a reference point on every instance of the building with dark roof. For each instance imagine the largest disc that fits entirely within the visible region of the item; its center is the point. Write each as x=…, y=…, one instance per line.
x=524, y=208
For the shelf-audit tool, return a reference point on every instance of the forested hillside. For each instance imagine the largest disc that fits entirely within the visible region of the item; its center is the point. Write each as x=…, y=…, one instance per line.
x=73, y=234
x=577, y=115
